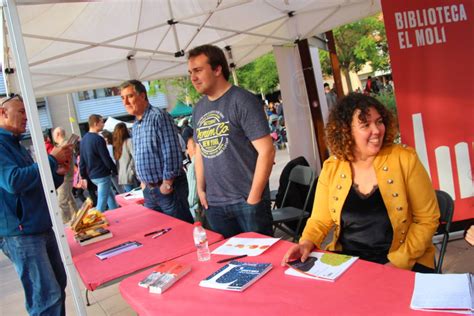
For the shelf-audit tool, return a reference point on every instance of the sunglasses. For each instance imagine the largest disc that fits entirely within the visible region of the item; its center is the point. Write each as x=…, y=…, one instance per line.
x=12, y=97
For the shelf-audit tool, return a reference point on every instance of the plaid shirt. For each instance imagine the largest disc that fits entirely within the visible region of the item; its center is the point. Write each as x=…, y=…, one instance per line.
x=156, y=147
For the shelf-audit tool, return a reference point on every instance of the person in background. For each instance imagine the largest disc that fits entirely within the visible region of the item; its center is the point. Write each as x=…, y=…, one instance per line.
x=193, y=198
x=123, y=149
x=110, y=147
x=157, y=153
x=235, y=152
x=66, y=200
x=96, y=163
x=376, y=195
x=47, y=142
x=331, y=97
x=26, y=235
x=368, y=86
x=186, y=130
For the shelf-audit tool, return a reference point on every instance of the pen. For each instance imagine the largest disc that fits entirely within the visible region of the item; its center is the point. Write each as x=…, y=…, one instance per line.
x=231, y=258
x=155, y=232
x=163, y=231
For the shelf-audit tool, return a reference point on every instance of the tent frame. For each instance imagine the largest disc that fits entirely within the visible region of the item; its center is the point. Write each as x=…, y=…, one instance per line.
x=26, y=87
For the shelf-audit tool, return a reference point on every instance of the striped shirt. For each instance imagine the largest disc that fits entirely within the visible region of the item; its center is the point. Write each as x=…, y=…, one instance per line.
x=156, y=147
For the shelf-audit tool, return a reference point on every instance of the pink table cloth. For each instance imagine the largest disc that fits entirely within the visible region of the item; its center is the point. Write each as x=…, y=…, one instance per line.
x=130, y=223
x=365, y=289
x=122, y=201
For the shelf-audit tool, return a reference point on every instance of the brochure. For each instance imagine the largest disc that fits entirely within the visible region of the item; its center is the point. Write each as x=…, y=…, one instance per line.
x=116, y=250
x=236, y=275
x=321, y=266
x=236, y=246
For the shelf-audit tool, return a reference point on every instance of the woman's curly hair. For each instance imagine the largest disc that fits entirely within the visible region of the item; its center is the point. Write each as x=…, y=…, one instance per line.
x=338, y=129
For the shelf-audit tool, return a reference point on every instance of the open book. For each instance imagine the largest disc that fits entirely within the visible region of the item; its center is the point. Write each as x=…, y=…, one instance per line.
x=321, y=266
x=444, y=293
x=236, y=275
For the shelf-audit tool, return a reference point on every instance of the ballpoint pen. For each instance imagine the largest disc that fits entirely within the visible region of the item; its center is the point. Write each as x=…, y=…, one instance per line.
x=163, y=231
x=155, y=232
x=231, y=258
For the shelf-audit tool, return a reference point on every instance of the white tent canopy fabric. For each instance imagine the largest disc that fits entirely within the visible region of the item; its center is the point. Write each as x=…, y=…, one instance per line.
x=73, y=46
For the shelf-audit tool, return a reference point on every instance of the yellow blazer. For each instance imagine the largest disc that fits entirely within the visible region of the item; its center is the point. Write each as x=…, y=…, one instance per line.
x=407, y=193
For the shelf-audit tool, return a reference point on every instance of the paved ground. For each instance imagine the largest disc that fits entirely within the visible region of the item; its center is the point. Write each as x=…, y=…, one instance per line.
x=107, y=301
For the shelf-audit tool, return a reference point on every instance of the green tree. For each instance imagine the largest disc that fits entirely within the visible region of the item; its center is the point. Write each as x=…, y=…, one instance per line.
x=181, y=86
x=358, y=43
x=259, y=76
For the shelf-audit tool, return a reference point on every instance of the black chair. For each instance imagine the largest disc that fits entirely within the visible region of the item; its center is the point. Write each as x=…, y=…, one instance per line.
x=300, y=175
x=446, y=209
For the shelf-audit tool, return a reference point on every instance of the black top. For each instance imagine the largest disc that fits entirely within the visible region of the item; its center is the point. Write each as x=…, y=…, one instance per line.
x=366, y=230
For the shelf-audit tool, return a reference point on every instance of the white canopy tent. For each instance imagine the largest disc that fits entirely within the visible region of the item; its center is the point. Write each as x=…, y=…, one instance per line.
x=75, y=46
x=57, y=47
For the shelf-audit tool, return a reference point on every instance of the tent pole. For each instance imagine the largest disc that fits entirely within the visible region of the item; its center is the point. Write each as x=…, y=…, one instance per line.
x=5, y=62
x=26, y=87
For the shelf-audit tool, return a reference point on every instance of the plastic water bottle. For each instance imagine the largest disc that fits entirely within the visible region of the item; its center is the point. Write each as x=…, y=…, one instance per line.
x=200, y=240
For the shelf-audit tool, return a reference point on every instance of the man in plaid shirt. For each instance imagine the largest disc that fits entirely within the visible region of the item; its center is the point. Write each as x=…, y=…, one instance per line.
x=157, y=154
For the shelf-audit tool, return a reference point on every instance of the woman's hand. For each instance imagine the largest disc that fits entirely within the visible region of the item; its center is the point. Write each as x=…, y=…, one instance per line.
x=470, y=235
x=302, y=250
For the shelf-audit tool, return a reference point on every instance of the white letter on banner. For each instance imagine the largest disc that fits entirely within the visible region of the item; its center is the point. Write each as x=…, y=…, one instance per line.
x=398, y=20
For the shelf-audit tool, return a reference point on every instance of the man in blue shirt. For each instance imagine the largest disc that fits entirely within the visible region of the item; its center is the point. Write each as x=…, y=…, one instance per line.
x=157, y=153
x=96, y=163
x=26, y=237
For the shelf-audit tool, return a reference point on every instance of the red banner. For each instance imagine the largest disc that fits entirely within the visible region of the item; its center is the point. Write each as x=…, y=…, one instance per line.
x=431, y=46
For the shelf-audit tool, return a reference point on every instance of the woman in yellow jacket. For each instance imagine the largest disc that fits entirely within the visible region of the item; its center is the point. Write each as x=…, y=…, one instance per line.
x=376, y=195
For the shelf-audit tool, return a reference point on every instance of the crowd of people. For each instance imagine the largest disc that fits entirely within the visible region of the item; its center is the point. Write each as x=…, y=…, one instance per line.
x=375, y=195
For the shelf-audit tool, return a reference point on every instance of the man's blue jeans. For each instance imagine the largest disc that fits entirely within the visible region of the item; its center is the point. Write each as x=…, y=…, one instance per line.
x=230, y=220
x=174, y=204
x=105, y=195
x=38, y=263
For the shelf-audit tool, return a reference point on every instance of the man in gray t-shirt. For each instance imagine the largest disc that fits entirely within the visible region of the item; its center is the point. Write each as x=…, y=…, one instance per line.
x=235, y=153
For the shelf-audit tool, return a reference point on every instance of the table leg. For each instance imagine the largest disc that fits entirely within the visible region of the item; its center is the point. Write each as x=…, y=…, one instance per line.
x=87, y=298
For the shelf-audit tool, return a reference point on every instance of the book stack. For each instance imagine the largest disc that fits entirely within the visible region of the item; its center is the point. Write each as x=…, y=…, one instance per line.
x=89, y=225
x=236, y=275
x=164, y=276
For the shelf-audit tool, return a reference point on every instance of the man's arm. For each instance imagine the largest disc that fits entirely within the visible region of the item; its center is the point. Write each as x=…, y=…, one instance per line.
x=200, y=180
x=266, y=157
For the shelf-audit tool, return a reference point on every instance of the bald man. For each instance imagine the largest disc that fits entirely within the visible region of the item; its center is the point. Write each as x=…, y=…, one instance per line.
x=65, y=198
x=26, y=235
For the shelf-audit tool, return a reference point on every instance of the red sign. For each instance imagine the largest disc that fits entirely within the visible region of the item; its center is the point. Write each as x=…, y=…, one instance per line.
x=431, y=49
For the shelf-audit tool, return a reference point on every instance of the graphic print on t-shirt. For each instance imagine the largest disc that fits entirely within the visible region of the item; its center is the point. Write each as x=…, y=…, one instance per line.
x=212, y=134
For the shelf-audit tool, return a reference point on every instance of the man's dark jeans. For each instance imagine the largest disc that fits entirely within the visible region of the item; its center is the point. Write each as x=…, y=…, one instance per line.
x=230, y=220
x=174, y=204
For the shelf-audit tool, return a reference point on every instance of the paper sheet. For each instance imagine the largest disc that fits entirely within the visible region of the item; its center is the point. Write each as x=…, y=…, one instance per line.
x=446, y=292
x=132, y=195
x=245, y=246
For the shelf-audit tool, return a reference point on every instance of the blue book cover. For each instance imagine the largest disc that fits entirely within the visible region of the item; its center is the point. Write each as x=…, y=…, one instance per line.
x=236, y=275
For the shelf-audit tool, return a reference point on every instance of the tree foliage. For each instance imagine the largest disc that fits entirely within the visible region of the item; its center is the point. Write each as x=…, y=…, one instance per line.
x=181, y=86
x=358, y=43
x=259, y=76
x=361, y=42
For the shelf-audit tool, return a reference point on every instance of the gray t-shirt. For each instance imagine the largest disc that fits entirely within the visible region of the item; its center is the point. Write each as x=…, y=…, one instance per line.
x=224, y=129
